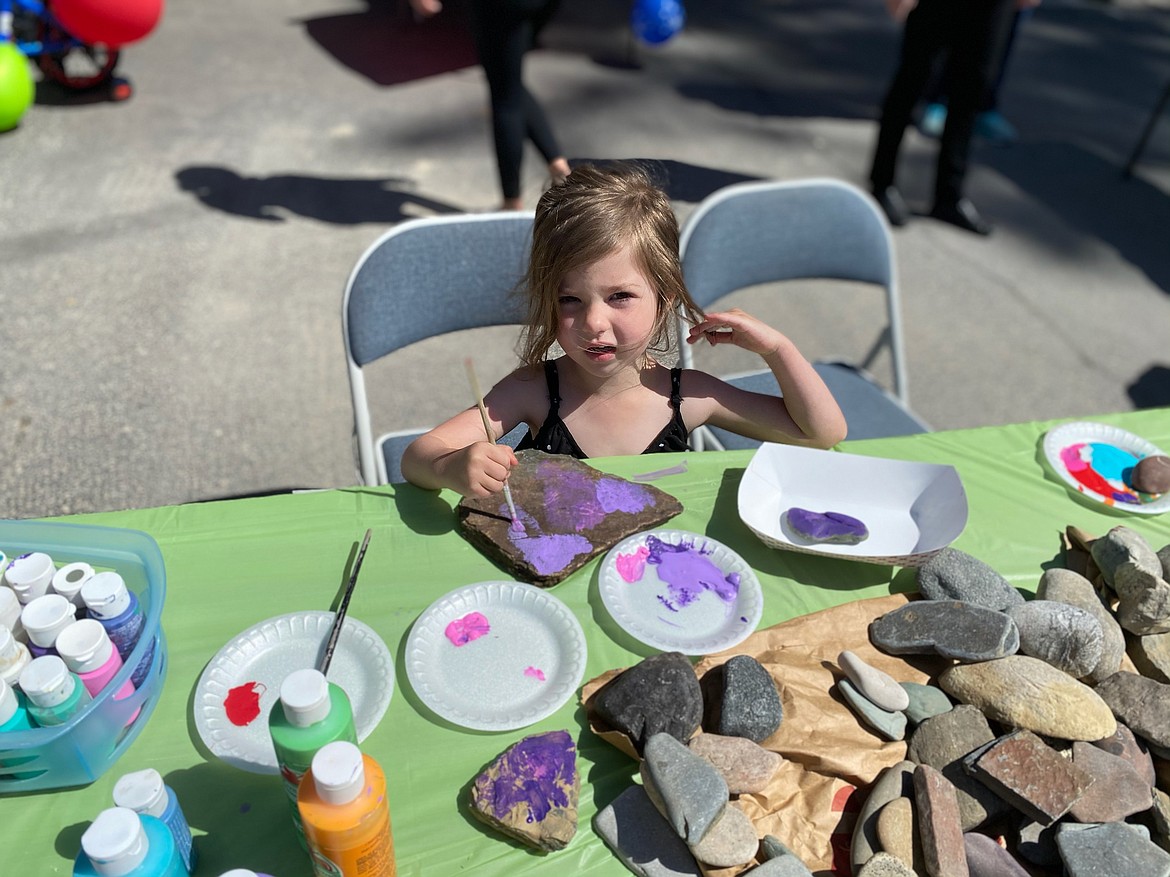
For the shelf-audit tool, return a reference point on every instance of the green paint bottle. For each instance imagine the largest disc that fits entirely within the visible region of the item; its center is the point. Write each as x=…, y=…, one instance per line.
x=311, y=712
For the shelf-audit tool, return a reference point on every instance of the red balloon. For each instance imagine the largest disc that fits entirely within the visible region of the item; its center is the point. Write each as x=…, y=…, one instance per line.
x=111, y=22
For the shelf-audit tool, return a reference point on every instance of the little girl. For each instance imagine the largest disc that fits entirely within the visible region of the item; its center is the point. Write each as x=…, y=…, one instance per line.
x=604, y=282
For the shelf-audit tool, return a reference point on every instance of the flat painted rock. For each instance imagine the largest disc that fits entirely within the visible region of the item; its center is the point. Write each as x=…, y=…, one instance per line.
x=731, y=841
x=877, y=685
x=942, y=742
x=986, y=858
x=955, y=575
x=924, y=702
x=895, y=781
x=939, y=825
x=569, y=514
x=1116, y=791
x=687, y=790
x=1030, y=775
x=1023, y=692
x=659, y=694
x=832, y=527
x=633, y=828
x=530, y=791
x=1065, y=636
x=889, y=725
x=950, y=628
x=1151, y=474
x=1111, y=849
x=1142, y=704
x=745, y=766
x=1067, y=586
x=741, y=699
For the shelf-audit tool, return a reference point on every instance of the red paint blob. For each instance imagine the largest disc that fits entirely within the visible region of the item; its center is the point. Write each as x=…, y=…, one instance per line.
x=242, y=704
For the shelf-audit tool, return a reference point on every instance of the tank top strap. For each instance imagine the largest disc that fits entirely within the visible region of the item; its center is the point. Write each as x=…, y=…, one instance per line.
x=552, y=379
x=676, y=388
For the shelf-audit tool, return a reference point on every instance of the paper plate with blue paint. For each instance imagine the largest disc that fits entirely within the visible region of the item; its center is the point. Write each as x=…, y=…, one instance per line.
x=495, y=656
x=1097, y=460
x=681, y=592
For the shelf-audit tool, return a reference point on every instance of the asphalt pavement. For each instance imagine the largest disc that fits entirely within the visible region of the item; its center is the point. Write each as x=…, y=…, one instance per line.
x=172, y=265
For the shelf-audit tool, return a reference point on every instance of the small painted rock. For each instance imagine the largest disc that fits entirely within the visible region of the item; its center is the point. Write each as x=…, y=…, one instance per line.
x=877, y=685
x=685, y=788
x=1151, y=474
x=925, y=702
x=659, y=694
x=530, y=791
x=826, y=526
x=890, y=725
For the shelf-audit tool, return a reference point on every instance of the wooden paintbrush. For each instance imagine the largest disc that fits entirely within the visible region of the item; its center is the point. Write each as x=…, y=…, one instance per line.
x=517, y=524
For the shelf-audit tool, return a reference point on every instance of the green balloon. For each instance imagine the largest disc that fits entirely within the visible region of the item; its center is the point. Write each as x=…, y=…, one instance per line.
x=16, y=86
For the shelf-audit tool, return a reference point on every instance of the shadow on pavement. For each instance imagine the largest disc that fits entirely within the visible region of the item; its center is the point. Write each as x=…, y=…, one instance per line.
x=340, y=201
x=681, y=181
x=1151, y=389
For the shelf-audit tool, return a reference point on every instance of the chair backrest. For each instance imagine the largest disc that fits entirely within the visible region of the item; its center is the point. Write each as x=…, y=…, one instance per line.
x=428, y=277
x=752, y=233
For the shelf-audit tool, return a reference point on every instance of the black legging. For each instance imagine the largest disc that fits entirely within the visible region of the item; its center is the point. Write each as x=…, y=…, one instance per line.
x=503, y=31
x=974, y=32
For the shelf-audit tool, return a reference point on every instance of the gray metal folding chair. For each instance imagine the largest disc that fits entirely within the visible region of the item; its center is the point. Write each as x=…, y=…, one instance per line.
x=755, y=233
x=423, y=278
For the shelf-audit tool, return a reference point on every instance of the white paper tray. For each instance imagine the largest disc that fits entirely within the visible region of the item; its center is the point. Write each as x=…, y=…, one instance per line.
x=912, y=510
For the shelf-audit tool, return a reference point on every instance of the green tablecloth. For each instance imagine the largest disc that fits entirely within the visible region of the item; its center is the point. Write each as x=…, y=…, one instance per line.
x=231, y=564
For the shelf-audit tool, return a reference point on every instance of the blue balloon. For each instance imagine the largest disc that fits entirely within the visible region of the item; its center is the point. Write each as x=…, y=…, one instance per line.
x=656, y=21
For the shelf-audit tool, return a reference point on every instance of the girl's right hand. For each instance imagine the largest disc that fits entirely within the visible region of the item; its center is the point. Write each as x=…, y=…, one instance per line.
x=480, y=469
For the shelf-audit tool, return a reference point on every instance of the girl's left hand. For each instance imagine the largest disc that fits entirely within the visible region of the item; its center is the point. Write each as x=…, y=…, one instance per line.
x=736, y=327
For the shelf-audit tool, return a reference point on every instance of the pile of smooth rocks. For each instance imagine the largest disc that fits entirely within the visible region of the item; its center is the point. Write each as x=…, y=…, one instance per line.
x=699, y=742
x=1036, y=753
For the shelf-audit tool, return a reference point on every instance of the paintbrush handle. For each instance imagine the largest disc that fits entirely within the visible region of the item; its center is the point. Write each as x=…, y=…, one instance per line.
x=474, y=381
x=335, y=631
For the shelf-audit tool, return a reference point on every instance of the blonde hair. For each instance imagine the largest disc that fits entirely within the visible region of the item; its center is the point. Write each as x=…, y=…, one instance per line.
x=593, y=213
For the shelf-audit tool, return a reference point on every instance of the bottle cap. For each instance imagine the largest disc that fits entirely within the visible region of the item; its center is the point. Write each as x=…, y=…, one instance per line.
x=29, y=575
x=142, y=791
x=106, y=595
x=45, y=617
x=84, y=645
x=14, y=656
x=8, y=702
x=46, y=681
x=67, y=581
x=338, y=772
x=115, y=842
x=239, y=872
x=304, y=695
x=9, y=609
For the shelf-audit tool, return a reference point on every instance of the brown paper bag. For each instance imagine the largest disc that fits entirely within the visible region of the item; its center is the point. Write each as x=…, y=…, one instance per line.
x=828, y=753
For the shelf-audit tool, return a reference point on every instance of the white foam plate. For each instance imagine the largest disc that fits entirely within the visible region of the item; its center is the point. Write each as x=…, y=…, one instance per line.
x=685, y=614
x=912, y=510
x=267, y=652
x=1072, y=444
x=494, y=682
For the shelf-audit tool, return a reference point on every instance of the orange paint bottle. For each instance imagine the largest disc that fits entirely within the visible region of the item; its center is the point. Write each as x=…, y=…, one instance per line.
x=345, y=814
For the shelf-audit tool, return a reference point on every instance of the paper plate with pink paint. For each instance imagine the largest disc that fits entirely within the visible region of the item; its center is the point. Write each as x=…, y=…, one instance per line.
x=241, y=683
x=680, y=592
x=1096, y=460
x=495, y=656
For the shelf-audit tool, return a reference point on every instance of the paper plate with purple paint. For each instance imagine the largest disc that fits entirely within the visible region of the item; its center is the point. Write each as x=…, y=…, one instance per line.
x=680, y=592
x=495, y=656
x=1096, y=460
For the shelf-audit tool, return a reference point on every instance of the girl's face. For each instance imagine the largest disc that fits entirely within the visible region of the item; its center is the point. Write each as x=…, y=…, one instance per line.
x=606, y=312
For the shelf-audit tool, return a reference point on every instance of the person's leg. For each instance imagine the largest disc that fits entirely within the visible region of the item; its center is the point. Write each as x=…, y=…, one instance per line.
x=500, y=42
x=538, y=129
x=980, y=26
x=920, y=46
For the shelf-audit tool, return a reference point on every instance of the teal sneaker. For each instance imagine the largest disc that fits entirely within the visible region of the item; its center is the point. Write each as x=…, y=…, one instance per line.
x=992, y=126
x=933, y=120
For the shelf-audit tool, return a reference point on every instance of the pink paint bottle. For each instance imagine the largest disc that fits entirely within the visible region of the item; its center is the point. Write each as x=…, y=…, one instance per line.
x=88, y=651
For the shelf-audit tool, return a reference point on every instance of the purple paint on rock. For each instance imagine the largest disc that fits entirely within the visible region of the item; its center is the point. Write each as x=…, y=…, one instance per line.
x=552, y=553
x=536, y=773
x=688, y=571
x=570, y=502
x=616, y=495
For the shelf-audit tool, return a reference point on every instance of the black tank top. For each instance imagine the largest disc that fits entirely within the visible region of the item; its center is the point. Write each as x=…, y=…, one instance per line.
x=554, y=437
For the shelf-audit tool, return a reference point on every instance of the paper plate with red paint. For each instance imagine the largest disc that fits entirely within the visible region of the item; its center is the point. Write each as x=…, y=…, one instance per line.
x=680, y=591
x=495, y=656
x=242, y=682
x=1097, y=460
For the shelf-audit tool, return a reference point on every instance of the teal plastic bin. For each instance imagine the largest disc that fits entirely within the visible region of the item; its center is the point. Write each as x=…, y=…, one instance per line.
x=81, y=750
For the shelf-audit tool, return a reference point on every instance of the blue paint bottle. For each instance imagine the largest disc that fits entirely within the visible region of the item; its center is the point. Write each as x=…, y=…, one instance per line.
x=144, y=792
x=107, y=599
x=13, y=710
x=120, y=843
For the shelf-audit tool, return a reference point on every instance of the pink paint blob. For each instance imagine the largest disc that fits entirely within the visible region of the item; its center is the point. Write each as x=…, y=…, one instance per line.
x=463, y=630
x=534, y=673
x=242, y=704
x=631, y=566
